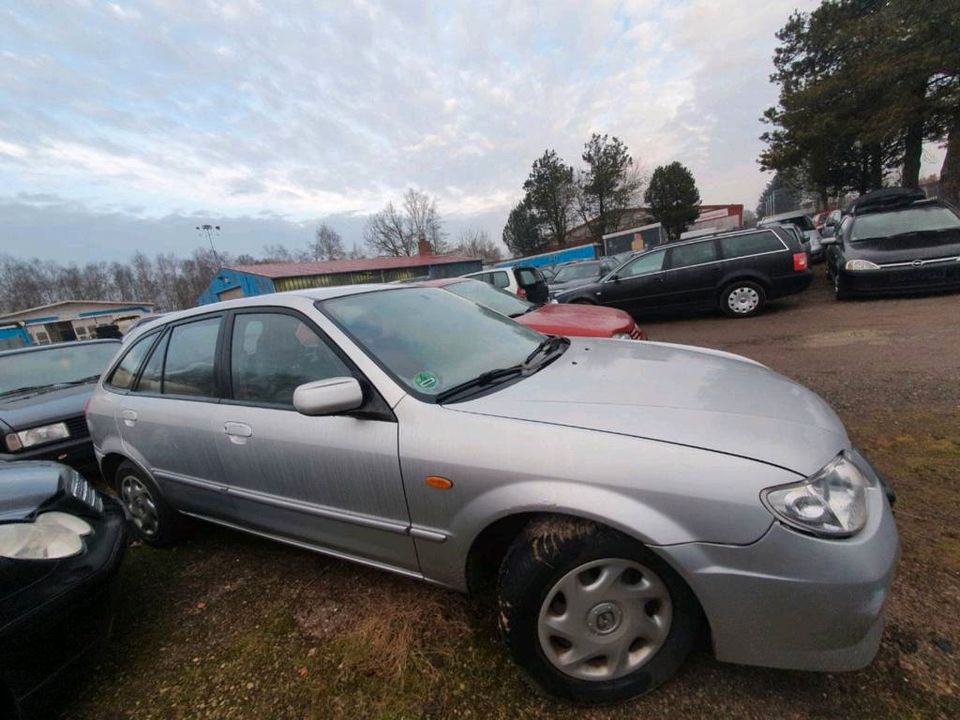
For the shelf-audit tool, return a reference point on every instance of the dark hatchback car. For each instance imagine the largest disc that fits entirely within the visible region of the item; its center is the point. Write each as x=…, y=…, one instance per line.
x=581, y=272
x=43, y=391
x=895, y=241
x=737, y=272
x=61, y=544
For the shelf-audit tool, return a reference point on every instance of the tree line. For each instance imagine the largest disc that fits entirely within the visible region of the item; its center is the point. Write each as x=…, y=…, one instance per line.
x=863, y=84
x=173, y=282
x=598, y=194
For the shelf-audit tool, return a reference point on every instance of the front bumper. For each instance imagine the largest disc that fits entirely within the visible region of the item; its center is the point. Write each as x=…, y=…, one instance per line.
x=75, y=452
x=54, y=627
x=908, y=280
x=795, y=601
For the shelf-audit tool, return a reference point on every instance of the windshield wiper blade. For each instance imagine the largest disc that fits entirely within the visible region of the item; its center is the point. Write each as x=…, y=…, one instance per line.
x=548, y=347
x=81, y=381
x=25, y=389
x=481, y=380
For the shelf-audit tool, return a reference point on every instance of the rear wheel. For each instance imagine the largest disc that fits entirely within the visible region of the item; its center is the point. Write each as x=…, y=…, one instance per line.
x=151, y=518
x=743, y=298
x=840, y=291
x=592, y=615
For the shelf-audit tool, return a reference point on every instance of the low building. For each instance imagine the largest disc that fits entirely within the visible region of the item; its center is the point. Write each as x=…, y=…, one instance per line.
x=76, y=319
x=237, y=281
x=712, y=219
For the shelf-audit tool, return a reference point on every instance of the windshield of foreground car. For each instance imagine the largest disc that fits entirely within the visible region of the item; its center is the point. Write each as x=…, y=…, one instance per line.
x=490, y=297
x=580, y=271
x=430, y=339
x=909, y=220
x=54, y=366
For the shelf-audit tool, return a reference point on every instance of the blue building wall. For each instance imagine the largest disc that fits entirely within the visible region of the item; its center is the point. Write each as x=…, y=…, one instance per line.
x=227, y=279
x=580, y=252
x=13, y=336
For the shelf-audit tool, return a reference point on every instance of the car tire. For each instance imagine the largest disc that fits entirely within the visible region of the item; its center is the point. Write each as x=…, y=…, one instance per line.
x=636, y=619
x=152, y=519
x=840, y=291
x=743, y=299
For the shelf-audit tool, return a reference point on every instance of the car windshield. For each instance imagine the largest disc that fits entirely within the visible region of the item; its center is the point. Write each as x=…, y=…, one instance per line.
x=490, y=297
x=55, y=365
x=429, y=339
x=579, y=271
x=899, y=222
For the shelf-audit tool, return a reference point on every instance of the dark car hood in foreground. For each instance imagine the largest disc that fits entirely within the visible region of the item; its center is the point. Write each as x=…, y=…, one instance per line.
x=678, y=394
x=26, y=485
x=24, y=411
x=901, y=248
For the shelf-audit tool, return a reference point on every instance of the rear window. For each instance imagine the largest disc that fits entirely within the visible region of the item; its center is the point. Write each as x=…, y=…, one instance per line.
x=528, y=276
x=752, y=244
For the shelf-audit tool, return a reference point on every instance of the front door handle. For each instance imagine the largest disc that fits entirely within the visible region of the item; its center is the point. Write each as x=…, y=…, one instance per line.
x=129, y=417
x=237, y=432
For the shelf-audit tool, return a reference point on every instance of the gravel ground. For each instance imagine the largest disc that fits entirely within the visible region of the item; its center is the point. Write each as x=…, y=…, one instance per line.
x=228, y=626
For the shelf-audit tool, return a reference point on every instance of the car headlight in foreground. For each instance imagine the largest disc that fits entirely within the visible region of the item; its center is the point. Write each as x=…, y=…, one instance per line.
x=53, y=535
x=861, y=265
x=831, y=503
x=621, y=336
x=37, y=436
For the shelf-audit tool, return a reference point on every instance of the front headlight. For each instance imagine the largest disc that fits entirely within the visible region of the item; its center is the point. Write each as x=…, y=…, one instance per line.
x=861, y=265
x=37, y=436
x=831, y=503
x=51, y=536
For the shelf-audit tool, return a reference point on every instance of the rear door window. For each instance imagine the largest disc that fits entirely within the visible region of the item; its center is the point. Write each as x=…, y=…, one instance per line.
x=751, y=244
x=696, y=254
x=643, y=265
x=189, y=367
x=123, y=376
x=271, y=354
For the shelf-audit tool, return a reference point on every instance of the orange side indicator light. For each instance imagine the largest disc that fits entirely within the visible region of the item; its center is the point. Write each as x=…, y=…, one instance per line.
x=438, y=483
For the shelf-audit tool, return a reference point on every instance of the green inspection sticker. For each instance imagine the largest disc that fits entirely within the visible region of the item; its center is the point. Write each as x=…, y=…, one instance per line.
x=426, y=380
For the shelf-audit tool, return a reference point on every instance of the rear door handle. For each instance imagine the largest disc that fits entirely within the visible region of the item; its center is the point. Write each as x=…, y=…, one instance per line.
x=129, y=417
x=237, y=432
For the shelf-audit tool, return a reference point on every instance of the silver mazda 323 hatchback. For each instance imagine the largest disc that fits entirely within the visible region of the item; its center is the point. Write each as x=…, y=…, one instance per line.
x=622, y=498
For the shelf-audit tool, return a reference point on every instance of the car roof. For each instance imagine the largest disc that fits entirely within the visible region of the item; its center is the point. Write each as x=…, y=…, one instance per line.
x=890, y=200
x=782, y=216
x=442, y=282
x=50, y=346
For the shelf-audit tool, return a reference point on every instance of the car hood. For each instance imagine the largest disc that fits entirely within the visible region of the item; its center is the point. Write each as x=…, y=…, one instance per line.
x=906, y=249
x=570, y=284
x=26, y=485
x=28, y=410
x=577, y=320
x=673, y=393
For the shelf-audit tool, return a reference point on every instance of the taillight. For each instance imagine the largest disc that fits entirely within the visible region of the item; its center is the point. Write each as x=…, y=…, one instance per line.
x=521, y=293
x=799, y=262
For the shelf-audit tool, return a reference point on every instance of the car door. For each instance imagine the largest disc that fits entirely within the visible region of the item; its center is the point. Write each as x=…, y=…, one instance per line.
x=331, y=481
x=638, y=286
x=691, y=276
x=169, y=416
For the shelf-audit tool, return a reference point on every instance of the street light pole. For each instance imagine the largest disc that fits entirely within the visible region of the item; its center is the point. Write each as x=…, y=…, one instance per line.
x=208, y=231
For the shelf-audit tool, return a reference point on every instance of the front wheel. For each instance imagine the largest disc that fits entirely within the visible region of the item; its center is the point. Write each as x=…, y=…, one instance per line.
x=742, y=299
x=152, y=519
x=592, y=615
x=840, y=291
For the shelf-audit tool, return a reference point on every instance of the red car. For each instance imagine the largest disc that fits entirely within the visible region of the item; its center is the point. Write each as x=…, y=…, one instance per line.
x=553, y=319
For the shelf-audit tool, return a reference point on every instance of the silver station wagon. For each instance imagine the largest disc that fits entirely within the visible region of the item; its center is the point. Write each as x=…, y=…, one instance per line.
x=621, y=499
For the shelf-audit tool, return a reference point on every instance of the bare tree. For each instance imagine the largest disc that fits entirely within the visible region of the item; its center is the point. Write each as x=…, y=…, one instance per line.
x=327, y=244
x=396, y=231
x=477, y=244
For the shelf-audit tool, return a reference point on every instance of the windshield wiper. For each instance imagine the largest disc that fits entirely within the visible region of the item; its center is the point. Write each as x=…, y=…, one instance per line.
x=50, y=386
x=549, y=348
x=81, y=381
x=25, y=389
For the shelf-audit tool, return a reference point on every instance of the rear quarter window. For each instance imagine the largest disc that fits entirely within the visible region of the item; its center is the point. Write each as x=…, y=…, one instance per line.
x=123, y=375
x=752, y=244
x=499, y=279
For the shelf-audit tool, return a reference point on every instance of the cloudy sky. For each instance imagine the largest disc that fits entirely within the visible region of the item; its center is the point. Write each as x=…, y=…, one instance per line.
x=123, y=125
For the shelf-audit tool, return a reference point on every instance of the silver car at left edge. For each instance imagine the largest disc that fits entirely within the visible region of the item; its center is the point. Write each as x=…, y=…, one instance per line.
x=621, y=499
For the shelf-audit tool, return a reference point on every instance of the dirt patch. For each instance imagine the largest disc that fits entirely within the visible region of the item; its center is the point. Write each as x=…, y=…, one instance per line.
x=839, y=338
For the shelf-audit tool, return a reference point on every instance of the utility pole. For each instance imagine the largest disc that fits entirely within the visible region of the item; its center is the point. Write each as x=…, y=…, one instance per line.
x=209, y=231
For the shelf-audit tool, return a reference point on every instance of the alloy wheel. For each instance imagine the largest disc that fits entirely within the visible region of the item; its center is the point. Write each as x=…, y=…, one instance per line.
x=140, y=503
x=604, y=619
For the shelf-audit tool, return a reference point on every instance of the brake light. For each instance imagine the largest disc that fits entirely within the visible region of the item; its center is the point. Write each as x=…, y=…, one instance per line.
x=521, y=293
x=799, y=262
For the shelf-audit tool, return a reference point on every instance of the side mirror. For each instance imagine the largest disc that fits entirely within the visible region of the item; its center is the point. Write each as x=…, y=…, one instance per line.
x=328, y=397
x=612, y=277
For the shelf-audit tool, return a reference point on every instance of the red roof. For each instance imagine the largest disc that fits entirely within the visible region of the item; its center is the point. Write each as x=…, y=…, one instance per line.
x=331, y=267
